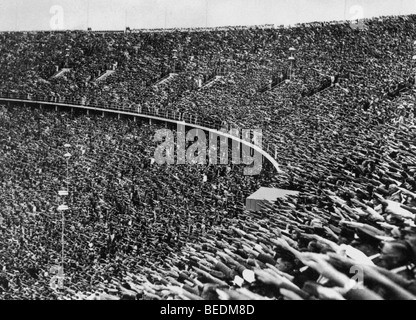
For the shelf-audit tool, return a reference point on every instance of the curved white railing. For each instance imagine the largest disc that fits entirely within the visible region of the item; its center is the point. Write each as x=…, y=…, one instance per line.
x=133, y=110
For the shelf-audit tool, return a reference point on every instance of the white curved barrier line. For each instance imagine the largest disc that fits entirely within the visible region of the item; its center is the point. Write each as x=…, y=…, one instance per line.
x=141, y=115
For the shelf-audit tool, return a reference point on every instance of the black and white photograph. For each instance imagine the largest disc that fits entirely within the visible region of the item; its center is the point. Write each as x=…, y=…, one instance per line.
x=236, y=152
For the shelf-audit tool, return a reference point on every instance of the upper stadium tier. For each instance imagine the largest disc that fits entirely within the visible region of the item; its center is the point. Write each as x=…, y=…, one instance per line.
x=343, y=77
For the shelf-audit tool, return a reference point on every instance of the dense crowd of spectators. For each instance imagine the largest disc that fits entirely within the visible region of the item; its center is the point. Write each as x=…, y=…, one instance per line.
x=125, y=209
x=342, y=128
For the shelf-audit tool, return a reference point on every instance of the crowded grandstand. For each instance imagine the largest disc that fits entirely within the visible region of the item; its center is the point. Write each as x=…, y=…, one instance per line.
x=335, y=103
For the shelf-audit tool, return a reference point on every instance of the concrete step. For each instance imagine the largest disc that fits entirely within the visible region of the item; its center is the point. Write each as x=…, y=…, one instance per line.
x=166, y=79
x=60, y=73
x=212, y=82
x=105, y=75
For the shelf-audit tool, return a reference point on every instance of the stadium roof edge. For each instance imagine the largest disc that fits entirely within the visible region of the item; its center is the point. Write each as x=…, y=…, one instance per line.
x=219, y=28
